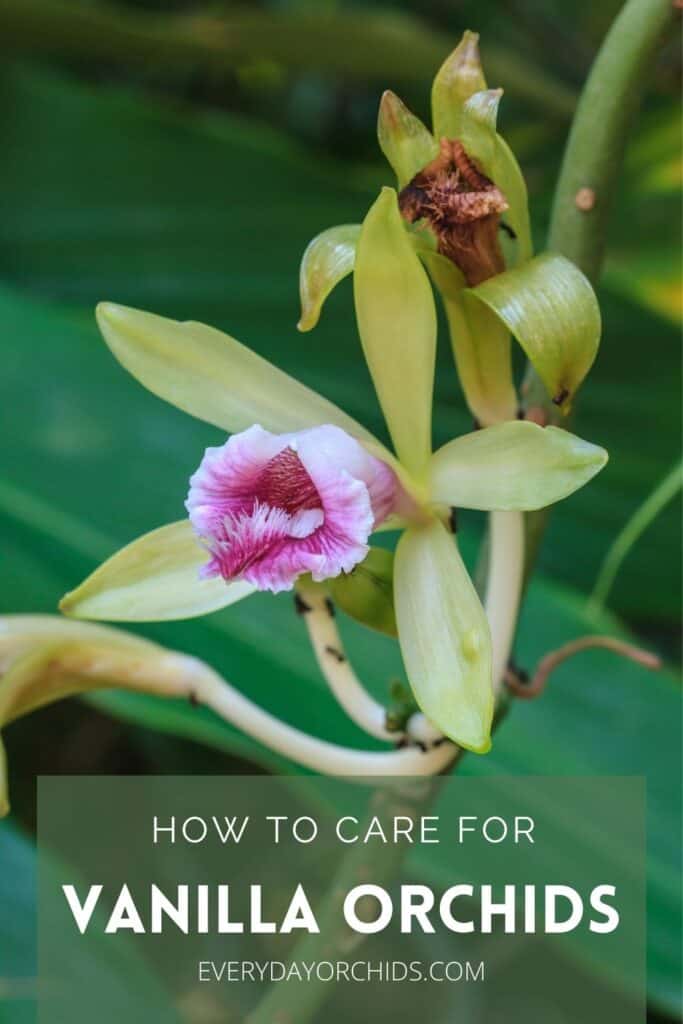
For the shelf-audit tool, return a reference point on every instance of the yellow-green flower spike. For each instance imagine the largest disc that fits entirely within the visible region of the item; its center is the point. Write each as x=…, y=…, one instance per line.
x=397, y=324
x=404, y=140
x=457, y=79
x=328, y=258
x=551, y=308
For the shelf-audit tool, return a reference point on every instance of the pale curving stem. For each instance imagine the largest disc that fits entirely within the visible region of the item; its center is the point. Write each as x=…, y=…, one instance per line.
x=503, y=591
x=504, y=587
x=327, y=758
x=369, y=714
x=58, y=669
x=351, y=695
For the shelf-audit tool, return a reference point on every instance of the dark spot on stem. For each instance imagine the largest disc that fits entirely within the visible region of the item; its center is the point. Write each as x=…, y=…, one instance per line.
x=561, y=397
x=300, y=606
x=335, y=653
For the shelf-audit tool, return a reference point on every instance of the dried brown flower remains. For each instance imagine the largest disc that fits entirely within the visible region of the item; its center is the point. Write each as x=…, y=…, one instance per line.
x=462, y=207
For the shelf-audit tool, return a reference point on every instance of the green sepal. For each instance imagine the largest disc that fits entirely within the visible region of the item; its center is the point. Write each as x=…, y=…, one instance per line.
x=367, y=592
x=327, y=260
x=457, y=79
x=495, y=158
x=551, y=308
x=406, y=143
x=480, y=344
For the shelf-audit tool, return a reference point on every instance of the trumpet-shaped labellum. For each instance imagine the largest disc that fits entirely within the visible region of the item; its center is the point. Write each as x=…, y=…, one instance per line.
x=270, y=507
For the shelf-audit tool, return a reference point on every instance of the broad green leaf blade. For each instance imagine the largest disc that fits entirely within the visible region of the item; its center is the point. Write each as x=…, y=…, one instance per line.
x=552, y=310
x=515, y=466
x=210, y=375
x=397, y=324
x=444, y=636
x=457, y=79
x=404, y=140
x=327, y=260
x=154, y=578
x=480, y=344
x=4, y=784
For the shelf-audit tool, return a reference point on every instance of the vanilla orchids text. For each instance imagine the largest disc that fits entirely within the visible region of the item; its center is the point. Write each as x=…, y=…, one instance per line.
x=367, y=909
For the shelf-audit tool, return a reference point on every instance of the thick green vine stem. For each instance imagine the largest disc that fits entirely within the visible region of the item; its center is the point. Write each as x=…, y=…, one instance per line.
x=591, y=166
x=599, y=133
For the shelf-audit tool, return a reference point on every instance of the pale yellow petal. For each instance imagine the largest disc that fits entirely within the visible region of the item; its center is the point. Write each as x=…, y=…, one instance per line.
x=213, y=377
x=397, y=324
x=328, y=259
x=444, y=636
x=457, y=79
x=156, y=577
x=404, y=140
x=516, y=466
x=551, y=308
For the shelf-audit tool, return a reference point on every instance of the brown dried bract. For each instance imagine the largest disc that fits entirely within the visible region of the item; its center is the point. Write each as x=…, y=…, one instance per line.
x=462, y=207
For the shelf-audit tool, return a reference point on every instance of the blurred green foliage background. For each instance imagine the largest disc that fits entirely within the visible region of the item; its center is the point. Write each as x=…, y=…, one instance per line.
x=177, y=156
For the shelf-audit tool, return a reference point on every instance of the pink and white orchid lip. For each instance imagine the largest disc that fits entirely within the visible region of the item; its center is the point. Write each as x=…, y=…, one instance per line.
x=270, y=507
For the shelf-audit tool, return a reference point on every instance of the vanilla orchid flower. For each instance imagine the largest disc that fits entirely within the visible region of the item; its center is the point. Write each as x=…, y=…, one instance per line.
x=459, y=188
x=300, y=486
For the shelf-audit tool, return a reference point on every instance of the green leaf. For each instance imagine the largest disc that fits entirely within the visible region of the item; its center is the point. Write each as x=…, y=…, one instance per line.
x=457, y=79
x=552, y=310
x=404, y=140
x=397, y=324
x=153, y=578
x=516, y=466
x=327, y=260
x=123, y=980
x=444, y=636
